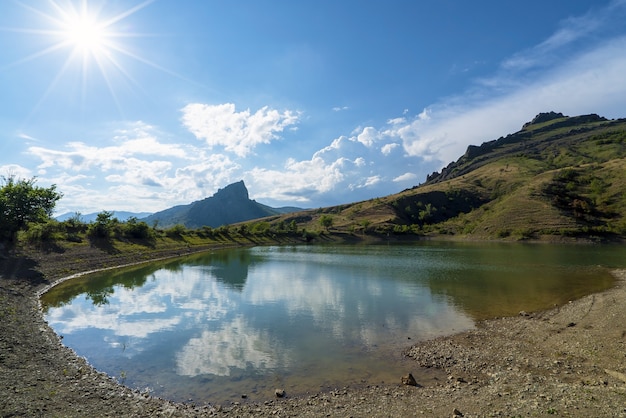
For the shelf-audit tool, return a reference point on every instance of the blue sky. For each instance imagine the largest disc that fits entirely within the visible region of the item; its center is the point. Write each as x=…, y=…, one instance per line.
x=142, y=105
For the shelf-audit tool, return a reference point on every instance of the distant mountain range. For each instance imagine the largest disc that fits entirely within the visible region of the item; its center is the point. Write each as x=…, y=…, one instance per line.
x=229, y=205
x=90, y=217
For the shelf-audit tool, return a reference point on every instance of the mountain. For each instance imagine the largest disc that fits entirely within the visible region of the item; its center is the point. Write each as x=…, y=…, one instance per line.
x=558, y=177
x=229, y=205
x=90, y=217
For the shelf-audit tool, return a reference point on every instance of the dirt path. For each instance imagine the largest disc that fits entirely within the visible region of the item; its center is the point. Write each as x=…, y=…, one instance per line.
x=569, y=361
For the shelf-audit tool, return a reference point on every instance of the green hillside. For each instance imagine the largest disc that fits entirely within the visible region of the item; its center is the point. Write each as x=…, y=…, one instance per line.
x=558, y=177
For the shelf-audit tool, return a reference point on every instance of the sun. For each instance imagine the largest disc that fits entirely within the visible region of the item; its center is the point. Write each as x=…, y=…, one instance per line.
x=86, y=33
x=91, y=36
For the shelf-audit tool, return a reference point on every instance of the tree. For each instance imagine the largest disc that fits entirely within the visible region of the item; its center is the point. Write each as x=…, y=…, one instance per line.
x=103, y=226
x=137, y=229
x=326, y=221
x=22, y=202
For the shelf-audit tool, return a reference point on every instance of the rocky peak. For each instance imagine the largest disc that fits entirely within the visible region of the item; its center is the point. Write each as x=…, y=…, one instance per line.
x=544, y=117
x=236, y=191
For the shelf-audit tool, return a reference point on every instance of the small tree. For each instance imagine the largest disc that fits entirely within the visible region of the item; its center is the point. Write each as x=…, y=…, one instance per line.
x=103, y=226
x=137, y=229
x=326, y=221
x=21, y=202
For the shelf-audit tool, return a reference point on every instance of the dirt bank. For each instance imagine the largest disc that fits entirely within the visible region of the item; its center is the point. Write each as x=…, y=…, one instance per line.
x=567, y=361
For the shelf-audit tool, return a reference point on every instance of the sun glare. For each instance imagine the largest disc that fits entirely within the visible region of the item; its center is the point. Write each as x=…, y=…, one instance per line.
x=86, y=33
x=89, y=32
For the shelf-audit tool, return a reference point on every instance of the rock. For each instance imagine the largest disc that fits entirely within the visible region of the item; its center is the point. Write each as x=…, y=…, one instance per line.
x=280, y=393
x=409, y=380
x=456, y=413
x=544, y=117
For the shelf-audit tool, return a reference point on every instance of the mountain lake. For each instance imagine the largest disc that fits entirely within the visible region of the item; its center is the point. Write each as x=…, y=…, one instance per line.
x=221, y=326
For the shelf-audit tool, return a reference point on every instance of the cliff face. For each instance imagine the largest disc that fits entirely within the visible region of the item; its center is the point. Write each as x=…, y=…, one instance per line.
x=229, y=205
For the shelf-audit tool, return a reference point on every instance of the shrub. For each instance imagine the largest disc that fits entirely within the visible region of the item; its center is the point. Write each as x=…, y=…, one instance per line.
x=41, y=232
x=134, y=228
x=103, y=226
x=205, y=232
x=176, y=231
x=260, y=228
x=326, y=221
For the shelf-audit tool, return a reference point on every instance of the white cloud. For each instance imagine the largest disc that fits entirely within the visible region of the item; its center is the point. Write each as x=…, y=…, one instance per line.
x=82, y=157
x=396, y=121
x=237, y=132
x=15, y=170
x=369, y=181
x=405, y=177
x=141, y=172
x=388, y=148
x=26, y=137
x=368, y=136
x=138, y=172
x=299, y=181
x=364, y=164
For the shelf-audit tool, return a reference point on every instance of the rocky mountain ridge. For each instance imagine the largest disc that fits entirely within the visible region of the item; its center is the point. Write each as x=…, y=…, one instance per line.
x=229, y=205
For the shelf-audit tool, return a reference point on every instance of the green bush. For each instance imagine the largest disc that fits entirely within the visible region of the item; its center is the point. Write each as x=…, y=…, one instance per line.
x=103, y=226
x=42, y=232
x=205, y=232
x=260, y=228
x=326, y=221
x=176, y=231
x=136, y=229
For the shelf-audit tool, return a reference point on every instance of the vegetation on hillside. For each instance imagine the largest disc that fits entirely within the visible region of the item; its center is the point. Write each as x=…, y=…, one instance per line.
x=558, y=177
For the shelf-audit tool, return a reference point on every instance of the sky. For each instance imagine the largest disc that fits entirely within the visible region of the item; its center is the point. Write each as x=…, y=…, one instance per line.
x=140, y=105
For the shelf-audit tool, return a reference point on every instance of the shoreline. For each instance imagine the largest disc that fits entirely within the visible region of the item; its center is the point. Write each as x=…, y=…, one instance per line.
x=569, y=360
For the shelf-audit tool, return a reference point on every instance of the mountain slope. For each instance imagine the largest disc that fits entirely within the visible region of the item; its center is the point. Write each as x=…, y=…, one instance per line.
x=229, y=205
x=558, y=176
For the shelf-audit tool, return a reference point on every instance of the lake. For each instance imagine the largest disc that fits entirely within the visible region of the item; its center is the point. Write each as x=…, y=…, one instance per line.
x=212, y=327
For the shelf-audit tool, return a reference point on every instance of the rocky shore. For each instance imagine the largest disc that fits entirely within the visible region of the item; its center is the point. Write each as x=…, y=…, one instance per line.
x=567, y=361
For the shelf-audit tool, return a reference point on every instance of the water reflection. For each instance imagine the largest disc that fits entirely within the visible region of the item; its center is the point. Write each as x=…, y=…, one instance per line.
x=236, y=345
x=210, y=323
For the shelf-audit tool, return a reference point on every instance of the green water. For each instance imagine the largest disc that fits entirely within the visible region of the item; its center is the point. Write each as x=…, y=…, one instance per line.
x=214, y=326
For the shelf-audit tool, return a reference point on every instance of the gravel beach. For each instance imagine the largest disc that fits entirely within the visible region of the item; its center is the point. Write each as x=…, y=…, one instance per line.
x=566, y=361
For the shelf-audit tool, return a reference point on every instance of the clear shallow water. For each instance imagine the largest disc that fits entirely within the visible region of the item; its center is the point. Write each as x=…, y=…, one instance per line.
x=214, y=326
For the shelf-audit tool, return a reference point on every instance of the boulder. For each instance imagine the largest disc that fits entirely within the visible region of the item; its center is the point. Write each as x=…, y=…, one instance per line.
x=409, y=380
